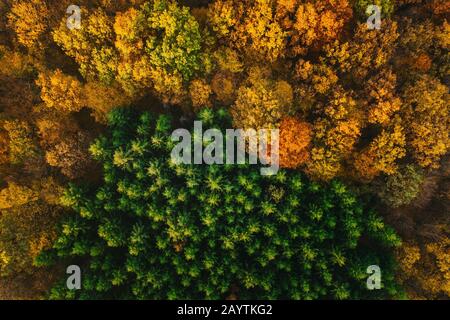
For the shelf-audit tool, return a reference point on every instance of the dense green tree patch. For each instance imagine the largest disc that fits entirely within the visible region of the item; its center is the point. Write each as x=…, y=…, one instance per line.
x=155, y=229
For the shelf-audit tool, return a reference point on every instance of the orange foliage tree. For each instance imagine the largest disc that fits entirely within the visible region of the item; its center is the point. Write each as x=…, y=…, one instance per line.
x=295, y=138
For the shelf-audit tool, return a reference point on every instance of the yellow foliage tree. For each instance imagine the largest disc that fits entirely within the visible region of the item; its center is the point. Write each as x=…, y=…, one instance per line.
x=425, y=269
x=368, y=52
x=335, y=135
x=52, y=125
x=228, y=59
x=223, y=16
x=440, y=6
x=29, y=20
x=49, y=189
x=102, y=98
x=200, y=92
x=382, y=101
x=22, y=145
x=252, y=30
x=4, y=147
x=426, y=111
x=382, y=153
x=319, y=78
x=15, y=64
x=25, y=231
x=312, y=24
x=134, y=68
x=16, y=195
x=92, y=46
x=168, y=84
x=261, y=101
x=60, y=91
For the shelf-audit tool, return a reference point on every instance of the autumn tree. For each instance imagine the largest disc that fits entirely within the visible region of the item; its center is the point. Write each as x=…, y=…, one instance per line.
x=229, y=68
x=224, y=88
x=4, y=7
x=161, y=44
x=439, y=7
x=314, y=78
x=334, y=136
x=426, y=111
x=200, y=92
x=387, y=8
x=113, y=6
x=101, y=98
x=16, y=64
x=60, y=91
x=425, y=268
x=382, y=100
x=228, y=60
x=27, y=227
x=4, y=147
x=63, y=141
x=70, y=155
x=261, y=101
x=383, y=153
x=417, y=37
x=29, y=20
x=250, y=28
x=311, y=24
x=402, y=187
x=51, y=125
x=25, y=231
x=22, y=141
x=91, y=46
x=420, y=49
x=368, y=52
x=295, y=138
x=15, y=195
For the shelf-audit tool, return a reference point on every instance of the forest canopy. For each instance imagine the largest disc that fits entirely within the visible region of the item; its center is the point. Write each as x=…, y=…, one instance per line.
x=86, y=115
